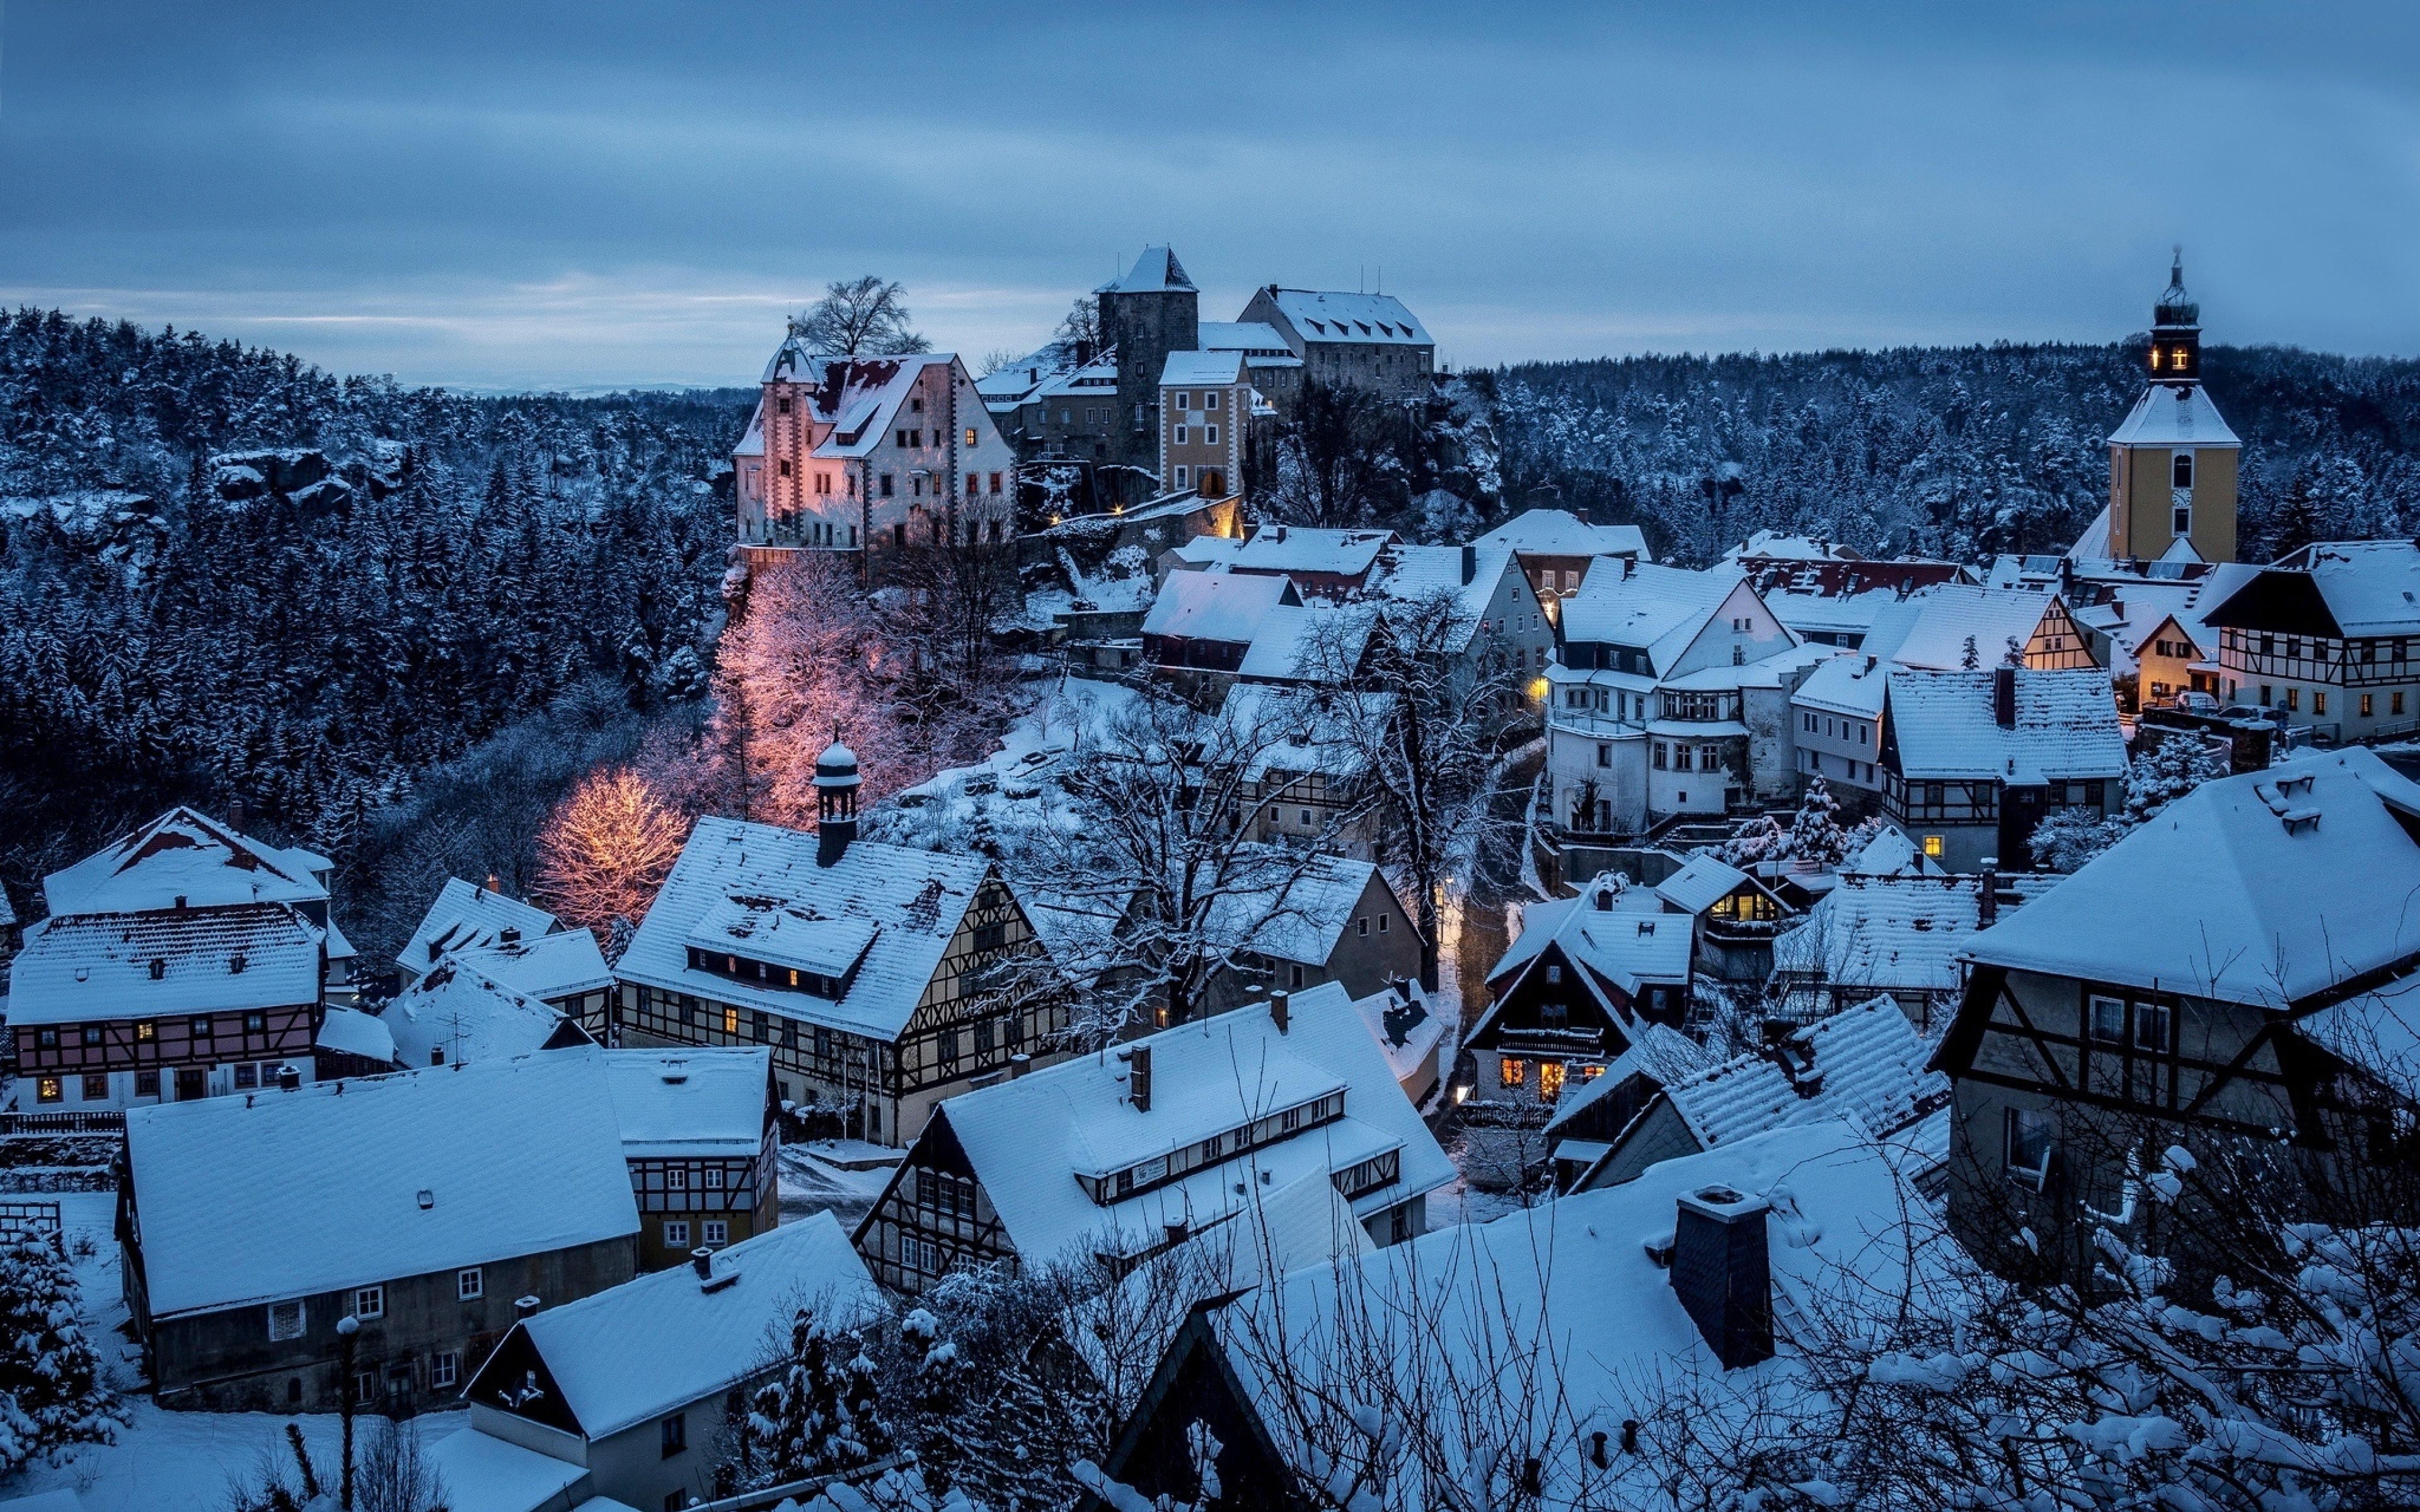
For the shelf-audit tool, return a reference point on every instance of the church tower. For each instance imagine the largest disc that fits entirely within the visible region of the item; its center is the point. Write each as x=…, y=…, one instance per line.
x=2172, y=464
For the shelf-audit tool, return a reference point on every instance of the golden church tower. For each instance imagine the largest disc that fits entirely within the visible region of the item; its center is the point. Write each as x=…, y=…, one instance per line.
x=2172, y=464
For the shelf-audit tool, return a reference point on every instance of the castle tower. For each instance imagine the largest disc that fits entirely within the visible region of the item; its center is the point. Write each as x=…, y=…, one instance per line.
x=836, y=784
x=2173, y=462
x=1152, y=311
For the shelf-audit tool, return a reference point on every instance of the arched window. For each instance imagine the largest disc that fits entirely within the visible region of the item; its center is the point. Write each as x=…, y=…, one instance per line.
x=2184, y=470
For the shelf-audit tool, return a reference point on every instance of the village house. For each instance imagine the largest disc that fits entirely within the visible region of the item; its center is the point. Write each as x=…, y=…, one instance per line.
x=1203, y=624
x=1269, y=363
x=1364, y=341
x=1336, y=921
x=2281, y=1010
x=1408, y=1032
x=700, y=1134
x=1734, y=917
x=634, y=1396
x=1576, y=988
x=432, y=1208
x=1284, y=1125
x=1557, y=547
x=1668, y=697
x=1973, y=761
x=1894, y=937
x=883, y=978
x=1320, y=563
x=456, y=1012
x=862, y=455
x=466, y=915
x=1307, y=776
x=564, y=970
x=1453, y=1322
x=1205, y=410
x=1586, y=1122
x=2329, y=634
x=1864, y=1066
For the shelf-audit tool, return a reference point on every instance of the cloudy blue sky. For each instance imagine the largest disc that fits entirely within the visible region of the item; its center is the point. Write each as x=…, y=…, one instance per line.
x=613, y=193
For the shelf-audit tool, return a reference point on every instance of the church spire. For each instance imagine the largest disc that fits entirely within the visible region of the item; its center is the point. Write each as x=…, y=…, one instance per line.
x=2176, y=330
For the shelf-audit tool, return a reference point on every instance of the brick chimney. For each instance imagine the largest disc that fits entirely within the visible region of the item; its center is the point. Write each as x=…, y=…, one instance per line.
x=1138, y=1077
x=1723, y=1274
x=2004, y=697
x=1278, y=1011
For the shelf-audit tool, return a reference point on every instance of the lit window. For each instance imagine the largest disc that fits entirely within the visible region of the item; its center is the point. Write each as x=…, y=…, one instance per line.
x=48, y=1089
x=970, y=437
x=1514, y=1071
x=731, y=1021
x=1932, y=846
x=1550, y=1080
x=470, y=1285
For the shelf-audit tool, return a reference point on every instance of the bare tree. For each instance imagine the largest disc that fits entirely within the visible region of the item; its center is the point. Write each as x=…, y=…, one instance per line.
x=864, y=317
x=1082, y=321
x=1339, y=457
x=607, y=848
x=952, y=590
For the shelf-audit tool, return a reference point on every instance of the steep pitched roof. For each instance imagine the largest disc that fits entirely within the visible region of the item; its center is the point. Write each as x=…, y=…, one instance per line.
x=1418, y=576
x=1225, y=607
x=184, y=854
x=914, y=899
x=1934, y=633
x=376, y=1177
x=467, y=917
x=467, y=1014
x=1886, y=932
x=2181, y=416
x=1258, y=338
x=1307, y=922
x=1558, y=533
x=653, y=1345
x=1851, y=684
x=1319, y=317
x=2363, y=588
x=1695, y=886
x=550, y=966
x=752, y=440
x=1406, y=1031
x=2279, y=883
x=1029, y=1137
x=80, y=968
x=1864, y=1065
x=1156, y=272
x=1290, y=549
x=1661, y=1054
x=690, y=1101
x=861, y=397
x=1944, y=729
x=1653, y=607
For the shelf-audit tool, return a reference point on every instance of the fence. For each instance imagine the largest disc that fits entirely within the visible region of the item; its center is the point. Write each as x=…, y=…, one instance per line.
x=37, y=1218
x=28, y=1123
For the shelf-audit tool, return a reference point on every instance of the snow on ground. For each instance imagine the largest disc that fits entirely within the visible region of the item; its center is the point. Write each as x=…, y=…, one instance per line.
x=1462, y=1203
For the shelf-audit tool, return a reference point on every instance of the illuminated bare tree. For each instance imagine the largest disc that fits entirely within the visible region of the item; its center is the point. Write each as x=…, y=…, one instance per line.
x=607, y=848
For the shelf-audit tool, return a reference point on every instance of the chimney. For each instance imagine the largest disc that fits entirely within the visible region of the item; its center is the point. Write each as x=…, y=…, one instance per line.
x=1277, y=532
x=235, y=815
x=1138, y=1077
x=1278, y=1011
x=1470, y=562
x=1629, y=568
x=288, y=1079
x=526, y=1306
x=1018, y=1064
x=2004, y=697
x=1722, y=1274
x=1987, y=904
x=508, y=935
x=702, y=1261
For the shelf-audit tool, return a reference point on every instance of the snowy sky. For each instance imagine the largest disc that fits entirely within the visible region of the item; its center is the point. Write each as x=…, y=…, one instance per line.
x=613, y=192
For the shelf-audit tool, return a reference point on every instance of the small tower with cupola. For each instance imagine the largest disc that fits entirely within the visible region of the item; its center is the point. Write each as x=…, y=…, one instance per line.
x=2173, y=462
x=836, y=783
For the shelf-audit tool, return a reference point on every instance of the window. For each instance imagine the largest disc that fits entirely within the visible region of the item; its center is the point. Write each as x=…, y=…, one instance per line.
x=1180, y=470
x=285, y=1321
x=714, y=1178
x=1660, y=756
x=1603, y=755
x=2183, y=473
x=199, y=1028
x=369, y=1302
x=718, y=1233
x=1210, y=434
x=2293, y=700
x=676, y=1178
x=1297, y=976
x=890, y=486
x=2032, y=1135
x=145, y=1032
x=90, y=1034
x=1180, y=435
x=1515, y=1073
x=1550, y=1080
x=48, y=1090
x=1184, y=400
x=676, y=1434
x=2105, y=1019
x=1554, y=975
x=731, y=1020
x=47, y=1038
x=1382, y=924
x=365, y=1387
x=146, y=1084
x=2319, y=700
x=1932, y=846
x=2394, y=704
x=1362, y=925
x=970, y=437
x=470, y=1285
x=786, y=403
x=246, y=1076
x=445, y=1371
x=1210, y=401
x=95, y=1087
x=995, y=524
x=785, y=467
x=2153, y=1027
x=677, y=1234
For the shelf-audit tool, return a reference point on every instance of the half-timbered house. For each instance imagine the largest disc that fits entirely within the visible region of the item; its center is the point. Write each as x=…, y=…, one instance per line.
x=1284, y=1125
x=701, y=1132
x=433, y=1208
x=113, y=1010
x=2239, y=967
x=1573, y=992
x=883, y=978
x=1734, y=917
x=1973, y=761
x=1588, y=1121
x=564, y=970
x=2330, y=635
x=469, y=917
x=636, y=1391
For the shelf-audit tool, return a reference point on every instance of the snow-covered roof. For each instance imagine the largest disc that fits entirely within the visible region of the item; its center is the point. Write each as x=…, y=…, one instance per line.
x=659, y=1343
x=915, y=898
x=1900, y=933
x=186, y=859
x=7, y=913
x=1297, y=642
x=1573, y=1281
x=1010, y=382
x=467, y=917
x=1217, y=606
x=1293, y=729
x=1930, y=631
x=1290, y=549
x=1201, y=369
x=2378, y=1030
x=1558, y=533
x=550, y=968
x=482, y=1472
x=81, y=969
x=1653, y=607
x=2369, y=588
x=690, y=1100
x=372, y=1178
x=1777, y=545
x=1864, y=1065
x=1303, y=924
x=1318, y=317
x=2066, y=727
x=1891, y=854
x=469, y=1015
x=752, y=440
x=1851, y=684
x=2179, y=416
x=349, y=1031
x=1418, y=576
x=1629, y=946
x=2279, y=884
x=1657, y=1052
x=1829, y=613
x=1403, y=1026
x=1258, y=338
x=1695, y=886
x=1156, y=271
x=1029, y=1137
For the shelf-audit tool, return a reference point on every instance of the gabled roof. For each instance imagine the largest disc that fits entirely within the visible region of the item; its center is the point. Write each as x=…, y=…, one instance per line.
x=1225, y=607
x=1012, y=382
x=2278, y=883
x=1697, y=886
x=82, y=968
x=1156, y=272
x=1290, y=549
x=1932, y=629
x=1629, y=946
x=188, y=856
x=1307, y=921
x=1655, y=608
x=915, y=898
x=690, y=1100
x=2179, y=416
x=1299, y=727
x=1030, y=1137
x=2066, y=727
x=1201, y=369
x=1299, y=642
x=349, y=1031
x=1318, y=317
x=1657, y=1052
x=1864, y=1065
x=2336, y=588
x=1891, y=854
x=1900, y=933
x=1258, y=338
x=1419, y=575
x=1558, y=533
x=375, y=1179
x=1851, y=684
x=861, y=398
x=2378, y=1031
x=467, y=917
x=551, y=966
x=469, y=1015
x=657, y=1343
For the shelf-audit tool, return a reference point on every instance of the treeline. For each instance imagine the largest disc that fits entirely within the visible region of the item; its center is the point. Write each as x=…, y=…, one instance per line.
x=172, y=629
x=1955, y=452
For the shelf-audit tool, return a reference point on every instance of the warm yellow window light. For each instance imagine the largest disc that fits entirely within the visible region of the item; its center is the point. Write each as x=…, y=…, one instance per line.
x=1932, y=846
